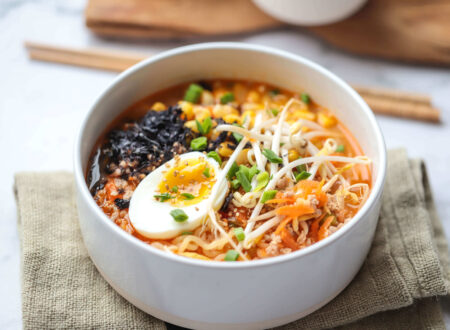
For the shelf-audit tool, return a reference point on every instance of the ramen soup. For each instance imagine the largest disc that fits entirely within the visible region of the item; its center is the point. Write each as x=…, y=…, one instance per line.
x=229, y=171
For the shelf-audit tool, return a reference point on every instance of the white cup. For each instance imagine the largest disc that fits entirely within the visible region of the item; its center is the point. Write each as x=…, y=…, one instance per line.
x=310, y=12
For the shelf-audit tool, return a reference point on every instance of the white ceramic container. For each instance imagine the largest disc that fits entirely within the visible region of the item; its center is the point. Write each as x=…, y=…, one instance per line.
x=239, y=295
x=310, y=12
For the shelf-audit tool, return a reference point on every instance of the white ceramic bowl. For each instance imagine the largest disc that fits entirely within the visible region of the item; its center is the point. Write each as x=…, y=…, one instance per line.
x=310, y=12
x=255, y=294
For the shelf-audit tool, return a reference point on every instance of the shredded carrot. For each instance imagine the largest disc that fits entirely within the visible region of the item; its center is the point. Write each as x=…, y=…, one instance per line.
x=282, y=225
x=296, y=210
x=285, y=235
x=288, y=239
x=314, y=228
x=280, y=200
x=323, y=231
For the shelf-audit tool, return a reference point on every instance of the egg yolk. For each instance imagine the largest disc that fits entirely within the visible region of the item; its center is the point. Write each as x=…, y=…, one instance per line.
x=189, y=181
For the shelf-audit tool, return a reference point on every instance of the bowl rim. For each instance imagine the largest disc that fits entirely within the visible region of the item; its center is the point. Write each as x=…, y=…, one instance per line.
x=238, y=46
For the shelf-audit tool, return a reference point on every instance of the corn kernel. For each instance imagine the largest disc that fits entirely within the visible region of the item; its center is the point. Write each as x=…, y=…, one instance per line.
x=192, y=125
x=224, y=150
x=220, y=111
x=159, y=106
x=327, y=121
x=293, y=155
x=232, y=118
x=308, y=115
x=253, y=97
x=250, y=115
x=201, y=113
x=207, y=98
x=188, y=109
x=242, y=157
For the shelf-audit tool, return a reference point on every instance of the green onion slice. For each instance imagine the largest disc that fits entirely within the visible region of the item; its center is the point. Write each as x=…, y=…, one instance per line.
x=261, y=181
x=243, y=179
x=340, y=148
x=271, y=156
x=235, y=184
x=214, y=155
x=193, y=93
x=227, y=98
x=206, y=172
x=305, y=98
x=188, y=196
x=239, y=233
x=268, y=195
x=163, y=197
x=252, y=172
x=199, y=143
x=178, y=215
x=232, y=172
x=232, y=255
x=205, y=127
x=302, y=176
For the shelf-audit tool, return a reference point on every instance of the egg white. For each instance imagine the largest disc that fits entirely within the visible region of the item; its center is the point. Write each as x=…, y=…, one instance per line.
x=152, y=218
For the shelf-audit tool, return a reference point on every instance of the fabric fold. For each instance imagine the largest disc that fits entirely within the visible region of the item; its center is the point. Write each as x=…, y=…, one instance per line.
x=398, y=286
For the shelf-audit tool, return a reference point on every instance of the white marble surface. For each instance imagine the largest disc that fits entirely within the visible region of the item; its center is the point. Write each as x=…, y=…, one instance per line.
x=42, y=105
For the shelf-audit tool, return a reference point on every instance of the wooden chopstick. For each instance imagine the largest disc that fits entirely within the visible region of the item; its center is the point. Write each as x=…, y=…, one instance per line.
x=381, y=101
x=91, y=58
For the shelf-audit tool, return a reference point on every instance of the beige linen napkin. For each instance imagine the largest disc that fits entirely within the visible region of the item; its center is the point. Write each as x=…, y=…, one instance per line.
x=397, y=287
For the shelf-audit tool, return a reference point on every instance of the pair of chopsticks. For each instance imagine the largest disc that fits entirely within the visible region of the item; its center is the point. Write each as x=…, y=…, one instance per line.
x=382, y=101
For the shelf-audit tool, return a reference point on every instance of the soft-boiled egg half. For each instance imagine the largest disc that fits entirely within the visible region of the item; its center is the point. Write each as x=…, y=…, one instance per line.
x=173, y=198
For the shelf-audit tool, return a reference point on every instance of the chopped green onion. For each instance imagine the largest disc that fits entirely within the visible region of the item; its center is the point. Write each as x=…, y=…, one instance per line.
x=232, y=255
x=340, y=148
x=244, y=169
x=243, y=179
x=232, y=172
x=238, y=137
x=187, y=233
x=188, y=195
x=268, y=195
x=235, y=184
x=214, y=155
x=199, y=143
x=178, y=215
x=271, y=156
x=163, y=197
x=261, y=181
x=305, y=98
x=205, y=127
x=227, y=98
x=193, y=93
x=175, y=189
x=206, y=172
x=302, y=176
x=252, y=172
x=274, y=112
x=274, y=92
x=239, y=233
x=301, y=168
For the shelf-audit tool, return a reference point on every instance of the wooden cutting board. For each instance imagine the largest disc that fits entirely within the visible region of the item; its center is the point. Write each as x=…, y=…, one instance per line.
x=405, y=30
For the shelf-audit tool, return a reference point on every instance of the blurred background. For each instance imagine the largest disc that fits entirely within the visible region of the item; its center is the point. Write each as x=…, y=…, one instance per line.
x=42, y=104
